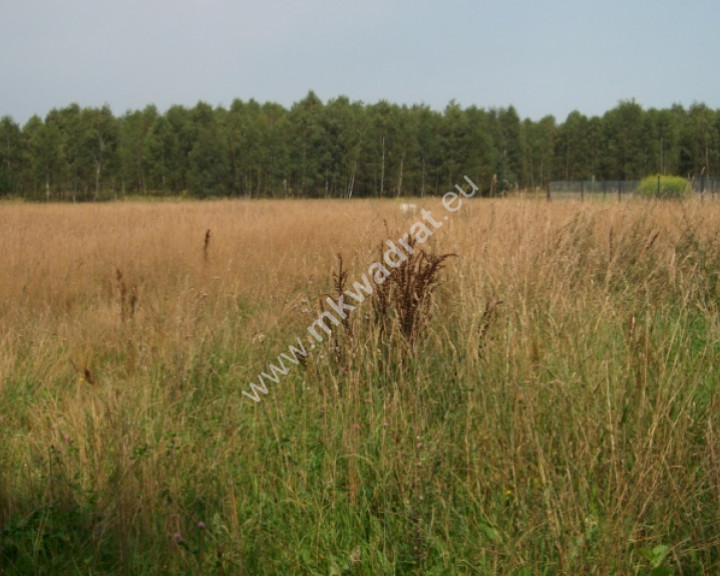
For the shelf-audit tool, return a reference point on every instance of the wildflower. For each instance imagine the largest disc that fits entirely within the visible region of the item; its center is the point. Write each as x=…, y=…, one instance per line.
x=177, y=538
x=201, y=525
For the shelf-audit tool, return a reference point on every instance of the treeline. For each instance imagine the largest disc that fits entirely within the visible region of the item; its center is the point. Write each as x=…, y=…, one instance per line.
x=341, y=149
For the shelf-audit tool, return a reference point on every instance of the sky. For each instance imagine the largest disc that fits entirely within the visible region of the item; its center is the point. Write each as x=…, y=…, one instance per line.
x=550, y=57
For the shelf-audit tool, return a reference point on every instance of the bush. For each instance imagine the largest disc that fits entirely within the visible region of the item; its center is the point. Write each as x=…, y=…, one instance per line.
x=664, y=187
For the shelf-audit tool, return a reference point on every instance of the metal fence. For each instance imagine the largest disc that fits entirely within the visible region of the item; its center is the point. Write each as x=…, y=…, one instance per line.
x=619, y=189
x=706, y=185
x=581, y=188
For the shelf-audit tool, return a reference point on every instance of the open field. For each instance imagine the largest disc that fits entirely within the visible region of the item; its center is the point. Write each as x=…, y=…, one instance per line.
x=556, y=412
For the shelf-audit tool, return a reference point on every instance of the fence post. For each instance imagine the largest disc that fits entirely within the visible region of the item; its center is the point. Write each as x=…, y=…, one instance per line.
x=547, y=191
x=619, y=190
x=582, y=190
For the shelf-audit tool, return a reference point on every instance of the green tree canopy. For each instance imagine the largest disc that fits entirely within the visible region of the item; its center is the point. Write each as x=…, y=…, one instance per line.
x=342, y=148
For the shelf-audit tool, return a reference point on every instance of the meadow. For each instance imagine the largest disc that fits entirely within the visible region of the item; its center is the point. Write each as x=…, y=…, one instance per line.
x=554, y=411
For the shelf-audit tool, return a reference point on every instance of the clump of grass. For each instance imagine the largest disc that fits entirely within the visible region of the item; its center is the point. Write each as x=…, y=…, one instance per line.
x=405, y=297
x=401, y=304
x=128, y=298
x=414, y=283
x=341, y=344
x=206, y=245
x=339, y=284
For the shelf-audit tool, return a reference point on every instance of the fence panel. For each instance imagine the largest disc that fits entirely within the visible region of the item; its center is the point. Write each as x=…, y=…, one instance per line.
x=706, y=185
x=592, y=188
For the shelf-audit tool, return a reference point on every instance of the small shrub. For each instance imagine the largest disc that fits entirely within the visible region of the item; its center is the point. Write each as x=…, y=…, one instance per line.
x=664, y=187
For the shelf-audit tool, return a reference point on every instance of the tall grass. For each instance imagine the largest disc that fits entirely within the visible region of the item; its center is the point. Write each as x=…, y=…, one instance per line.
x=558, y=413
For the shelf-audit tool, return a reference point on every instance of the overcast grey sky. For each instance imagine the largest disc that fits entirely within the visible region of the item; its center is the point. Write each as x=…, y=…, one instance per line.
x=547, y=57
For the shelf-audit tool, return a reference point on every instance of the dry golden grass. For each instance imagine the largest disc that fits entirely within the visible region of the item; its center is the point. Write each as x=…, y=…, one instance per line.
x=61, y=262
x=62, y=259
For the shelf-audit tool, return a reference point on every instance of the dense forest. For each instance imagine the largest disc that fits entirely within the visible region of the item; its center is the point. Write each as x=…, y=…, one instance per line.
x=341, y=149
